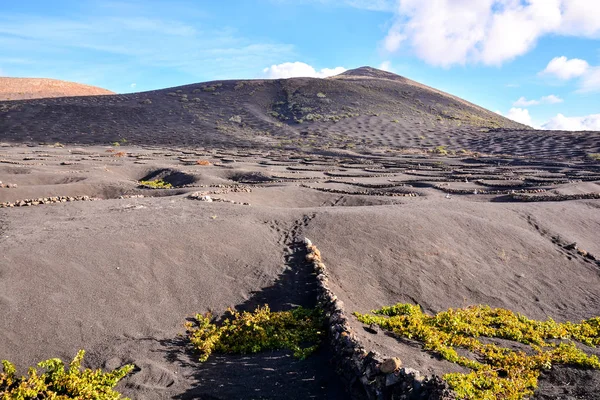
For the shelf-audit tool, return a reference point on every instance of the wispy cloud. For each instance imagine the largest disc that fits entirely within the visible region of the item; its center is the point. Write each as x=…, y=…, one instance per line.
x=550, y=99
x=386, y=66
x=371, y=5
x=590, y=82
x=98, y=47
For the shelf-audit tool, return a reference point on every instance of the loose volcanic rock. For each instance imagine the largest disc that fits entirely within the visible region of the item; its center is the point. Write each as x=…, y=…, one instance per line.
x=390, y=365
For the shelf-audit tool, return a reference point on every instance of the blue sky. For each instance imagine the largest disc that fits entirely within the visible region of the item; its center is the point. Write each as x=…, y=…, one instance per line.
x=536, y=61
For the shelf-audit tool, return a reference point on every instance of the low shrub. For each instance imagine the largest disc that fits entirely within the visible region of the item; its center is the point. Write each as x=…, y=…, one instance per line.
x=202, y=162
x=299, y=330
x=498, y=372
x=156, y=184
x=236, y=118
x=440, y=150
x=57, y=383
x=594, y=156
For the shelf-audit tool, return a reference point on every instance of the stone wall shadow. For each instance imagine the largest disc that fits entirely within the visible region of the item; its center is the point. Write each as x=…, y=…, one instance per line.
x=271, y=374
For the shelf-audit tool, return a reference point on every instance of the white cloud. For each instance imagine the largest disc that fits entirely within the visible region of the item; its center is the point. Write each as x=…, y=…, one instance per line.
x=386, y=66
x=580, y=17
x=520, y=115
x=590, y=82
x=586, y=123
x=551, y=99
x=447, y=32
x=566, y=69
x=523, y=102
x=393, y=41
x=299, y=69
x=133, y=85
x=514, y=31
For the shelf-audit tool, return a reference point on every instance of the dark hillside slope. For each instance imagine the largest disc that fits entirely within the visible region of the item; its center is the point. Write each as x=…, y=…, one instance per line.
x=359, y=109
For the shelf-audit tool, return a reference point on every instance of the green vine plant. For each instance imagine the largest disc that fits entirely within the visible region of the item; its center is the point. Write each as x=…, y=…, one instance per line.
x=156, y=184
x=57, y=383
x=299, y=330
x=497, y=372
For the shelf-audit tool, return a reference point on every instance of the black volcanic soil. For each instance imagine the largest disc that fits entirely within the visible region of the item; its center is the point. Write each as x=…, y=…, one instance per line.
x=119, y=276
x=350, y=162
x=361, y=109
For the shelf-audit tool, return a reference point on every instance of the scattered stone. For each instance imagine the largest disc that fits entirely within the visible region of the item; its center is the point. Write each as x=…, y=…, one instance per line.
x=236, y=118
x=390, y=365
x=391, y=379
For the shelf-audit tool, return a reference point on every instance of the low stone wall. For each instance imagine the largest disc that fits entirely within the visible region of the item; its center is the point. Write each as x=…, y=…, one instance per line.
x=499, y=184
x=366, y=374
x=203, y=196
x=555, y=197
x=339, y=175
x=362, y=192
x=45, y=200
x=483, y=191
x=371, y=185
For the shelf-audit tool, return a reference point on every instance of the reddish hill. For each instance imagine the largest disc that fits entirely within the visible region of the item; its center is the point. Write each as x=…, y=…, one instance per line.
x=39, y=88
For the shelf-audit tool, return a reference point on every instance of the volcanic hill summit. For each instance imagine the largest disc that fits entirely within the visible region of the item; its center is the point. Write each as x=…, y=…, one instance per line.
x=369, y=72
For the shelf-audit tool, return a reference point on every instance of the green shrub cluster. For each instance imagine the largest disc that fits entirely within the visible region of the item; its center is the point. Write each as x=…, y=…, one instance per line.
x=594, y=156
x=498, y=372
x=299, y=330
x=156, y=184
x=440, y=150
x=58, y=383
